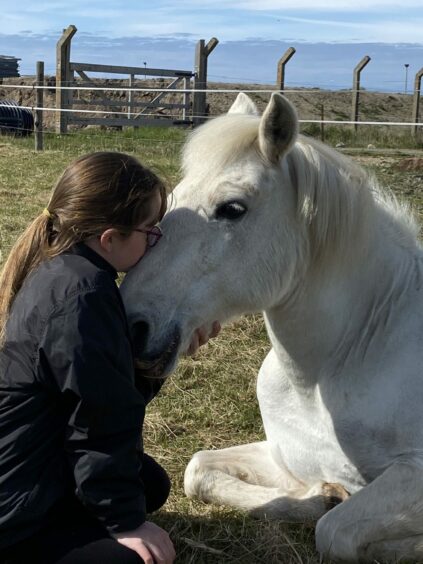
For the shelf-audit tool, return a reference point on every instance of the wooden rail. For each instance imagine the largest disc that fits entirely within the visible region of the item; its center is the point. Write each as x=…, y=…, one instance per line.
x=138, y=111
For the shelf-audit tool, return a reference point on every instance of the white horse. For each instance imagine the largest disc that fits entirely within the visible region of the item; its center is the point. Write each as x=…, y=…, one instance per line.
x=267, y=220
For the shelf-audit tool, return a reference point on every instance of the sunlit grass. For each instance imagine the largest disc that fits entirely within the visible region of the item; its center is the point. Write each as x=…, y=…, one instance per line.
x=382, y=137
x=27, y=176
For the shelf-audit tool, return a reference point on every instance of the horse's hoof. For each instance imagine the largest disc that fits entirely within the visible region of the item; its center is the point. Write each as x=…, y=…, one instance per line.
x=334, y=494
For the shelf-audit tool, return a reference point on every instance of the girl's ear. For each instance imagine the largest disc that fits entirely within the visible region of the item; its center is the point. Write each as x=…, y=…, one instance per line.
x=106, y=239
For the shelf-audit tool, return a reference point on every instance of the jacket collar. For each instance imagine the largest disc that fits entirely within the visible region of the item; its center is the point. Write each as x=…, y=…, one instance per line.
x=84, y=251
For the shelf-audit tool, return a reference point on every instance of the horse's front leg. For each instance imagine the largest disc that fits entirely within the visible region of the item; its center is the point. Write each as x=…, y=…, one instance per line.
x=381, y=522
x=246, y=477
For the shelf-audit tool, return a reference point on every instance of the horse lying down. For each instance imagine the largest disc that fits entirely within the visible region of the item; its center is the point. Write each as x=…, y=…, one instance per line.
x=267, y=220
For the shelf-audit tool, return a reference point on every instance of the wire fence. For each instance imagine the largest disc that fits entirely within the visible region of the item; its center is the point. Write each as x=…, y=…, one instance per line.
x=65, y=86
x=387, y=86
x=388, y=119
x=126, y=114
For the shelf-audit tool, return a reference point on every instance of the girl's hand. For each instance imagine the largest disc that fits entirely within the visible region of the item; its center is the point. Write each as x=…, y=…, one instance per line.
x=150, y=542
x=201, y=337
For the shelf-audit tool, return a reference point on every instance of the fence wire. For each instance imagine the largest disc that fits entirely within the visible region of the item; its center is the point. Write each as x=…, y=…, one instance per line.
x=133, y=124
x=66, y=86
x=127, y=114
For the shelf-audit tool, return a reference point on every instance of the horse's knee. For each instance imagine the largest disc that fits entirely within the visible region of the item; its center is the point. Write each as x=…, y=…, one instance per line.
x=335, y=541
x=195, y=478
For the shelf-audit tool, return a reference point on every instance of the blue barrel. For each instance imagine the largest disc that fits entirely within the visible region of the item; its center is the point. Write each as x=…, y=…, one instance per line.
x=14, y=119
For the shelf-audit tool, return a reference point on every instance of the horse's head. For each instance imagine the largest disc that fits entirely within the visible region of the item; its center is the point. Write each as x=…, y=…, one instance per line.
x=232, y=239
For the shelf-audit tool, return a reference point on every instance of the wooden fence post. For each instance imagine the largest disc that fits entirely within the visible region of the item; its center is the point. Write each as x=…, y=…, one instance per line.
x=356, y=89
x=198, y=100
x=200, y=80
x=280, y=81
x=39, y=103
x=416, y=101
x=63, y=77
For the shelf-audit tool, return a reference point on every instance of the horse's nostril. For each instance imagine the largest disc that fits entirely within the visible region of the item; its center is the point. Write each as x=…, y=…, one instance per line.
x=139, y=334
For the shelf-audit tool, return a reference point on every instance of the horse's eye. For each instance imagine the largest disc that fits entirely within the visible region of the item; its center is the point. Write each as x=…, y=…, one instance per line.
x=230, y=210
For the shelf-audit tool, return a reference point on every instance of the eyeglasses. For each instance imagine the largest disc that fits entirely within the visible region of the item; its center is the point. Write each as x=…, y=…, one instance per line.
x=153, y=234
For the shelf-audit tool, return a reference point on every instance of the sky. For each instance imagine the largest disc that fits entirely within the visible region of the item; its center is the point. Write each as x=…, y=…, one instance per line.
x=330, y=37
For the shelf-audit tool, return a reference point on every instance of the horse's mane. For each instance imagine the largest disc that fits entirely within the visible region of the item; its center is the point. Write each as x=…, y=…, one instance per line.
x=337, y=199
x=220, y=141
x=342, y=202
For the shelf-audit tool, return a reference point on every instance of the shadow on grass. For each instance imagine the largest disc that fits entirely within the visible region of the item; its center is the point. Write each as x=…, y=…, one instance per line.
x=229, y=537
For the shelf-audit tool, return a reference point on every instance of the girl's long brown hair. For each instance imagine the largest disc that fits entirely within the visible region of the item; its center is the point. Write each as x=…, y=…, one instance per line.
x=95, y=192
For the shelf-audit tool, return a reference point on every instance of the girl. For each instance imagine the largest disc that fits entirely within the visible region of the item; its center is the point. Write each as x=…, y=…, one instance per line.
x=74, y=485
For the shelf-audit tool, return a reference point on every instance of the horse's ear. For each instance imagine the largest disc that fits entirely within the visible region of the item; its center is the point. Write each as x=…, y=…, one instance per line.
x=278, y=128
x=243, y=105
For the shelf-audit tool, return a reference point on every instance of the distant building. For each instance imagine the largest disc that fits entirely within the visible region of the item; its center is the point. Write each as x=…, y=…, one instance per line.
x=8, y=67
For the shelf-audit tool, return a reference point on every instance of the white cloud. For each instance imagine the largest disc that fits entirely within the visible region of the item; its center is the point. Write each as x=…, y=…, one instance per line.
x=386, y=31
x=396, y=32
x=335, y=20
x=313, y=5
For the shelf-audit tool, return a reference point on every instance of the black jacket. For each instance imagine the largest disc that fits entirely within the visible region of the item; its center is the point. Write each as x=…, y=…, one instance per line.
x=70, y=413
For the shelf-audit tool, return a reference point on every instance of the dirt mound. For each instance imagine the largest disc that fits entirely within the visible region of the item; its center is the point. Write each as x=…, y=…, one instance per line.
x=414, y=164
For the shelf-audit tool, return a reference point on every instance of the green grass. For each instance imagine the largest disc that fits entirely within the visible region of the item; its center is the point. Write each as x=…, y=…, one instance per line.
x=382, y=137
x=27, y=176
x=210, y=401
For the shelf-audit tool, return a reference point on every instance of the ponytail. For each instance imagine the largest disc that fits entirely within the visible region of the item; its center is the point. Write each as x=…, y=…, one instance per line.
x=26, y=254
x=95, y=192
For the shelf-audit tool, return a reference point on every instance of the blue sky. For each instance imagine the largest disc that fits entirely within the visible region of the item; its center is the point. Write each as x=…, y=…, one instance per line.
x=330, y=37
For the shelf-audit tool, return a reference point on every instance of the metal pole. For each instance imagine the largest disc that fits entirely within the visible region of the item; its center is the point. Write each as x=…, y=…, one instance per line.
x=185, y=98
x=406, y=77
x=322, y=125
x=131, y=84
x=39, y=102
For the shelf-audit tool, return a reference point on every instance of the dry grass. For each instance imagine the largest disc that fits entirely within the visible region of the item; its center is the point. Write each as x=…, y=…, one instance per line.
x=210, y=401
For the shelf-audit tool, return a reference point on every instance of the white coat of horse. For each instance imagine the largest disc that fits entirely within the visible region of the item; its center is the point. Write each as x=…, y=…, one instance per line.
x=267, y=220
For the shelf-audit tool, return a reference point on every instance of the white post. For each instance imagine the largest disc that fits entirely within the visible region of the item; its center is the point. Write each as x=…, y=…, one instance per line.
x=131, y=84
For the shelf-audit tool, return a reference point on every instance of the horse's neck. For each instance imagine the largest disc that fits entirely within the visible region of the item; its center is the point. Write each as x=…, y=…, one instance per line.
x=336, y=306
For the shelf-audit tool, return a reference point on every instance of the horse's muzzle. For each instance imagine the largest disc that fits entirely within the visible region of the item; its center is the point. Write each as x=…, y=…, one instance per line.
x=157, y=363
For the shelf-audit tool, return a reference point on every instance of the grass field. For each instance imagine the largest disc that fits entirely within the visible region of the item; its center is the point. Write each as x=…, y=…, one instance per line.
x=210, y=401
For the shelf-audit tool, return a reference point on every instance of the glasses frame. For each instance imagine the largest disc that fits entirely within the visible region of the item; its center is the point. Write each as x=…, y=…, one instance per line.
x=154, y=234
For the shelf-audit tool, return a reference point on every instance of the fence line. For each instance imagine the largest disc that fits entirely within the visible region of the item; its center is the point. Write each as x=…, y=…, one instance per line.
x=318, y=121
x=200, y=90
x=115, y=117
